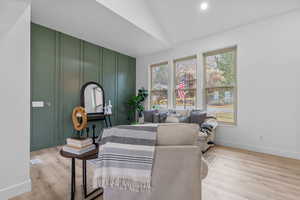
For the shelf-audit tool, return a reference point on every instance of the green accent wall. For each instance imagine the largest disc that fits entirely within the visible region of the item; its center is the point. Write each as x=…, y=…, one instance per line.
x=60, y=65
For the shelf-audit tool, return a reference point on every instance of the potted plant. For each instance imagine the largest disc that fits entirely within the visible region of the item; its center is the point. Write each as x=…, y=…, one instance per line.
x=136, y=104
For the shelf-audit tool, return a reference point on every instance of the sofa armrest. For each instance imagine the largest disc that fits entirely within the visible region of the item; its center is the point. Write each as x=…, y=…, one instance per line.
x=176, y=175
x=184, y=153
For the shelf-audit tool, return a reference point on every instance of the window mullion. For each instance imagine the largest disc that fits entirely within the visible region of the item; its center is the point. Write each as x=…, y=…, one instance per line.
x=172, y=85
x=200, y=82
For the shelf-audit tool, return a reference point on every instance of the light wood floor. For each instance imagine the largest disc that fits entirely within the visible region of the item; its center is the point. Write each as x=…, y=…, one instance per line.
x=233, y=175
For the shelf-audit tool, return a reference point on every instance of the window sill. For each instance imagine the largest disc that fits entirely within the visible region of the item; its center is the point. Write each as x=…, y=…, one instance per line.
x=220, y=124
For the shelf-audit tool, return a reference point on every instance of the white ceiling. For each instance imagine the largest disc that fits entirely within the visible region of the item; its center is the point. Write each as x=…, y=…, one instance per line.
x=141, y=27
x=89, y=20
x=183, y=21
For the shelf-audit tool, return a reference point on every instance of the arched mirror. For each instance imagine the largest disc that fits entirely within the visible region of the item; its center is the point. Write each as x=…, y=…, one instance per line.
x=93, y=100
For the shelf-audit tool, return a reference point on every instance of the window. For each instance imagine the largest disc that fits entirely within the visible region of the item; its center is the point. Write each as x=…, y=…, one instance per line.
x=185, y=82
x=159, y=85
x=220, y=84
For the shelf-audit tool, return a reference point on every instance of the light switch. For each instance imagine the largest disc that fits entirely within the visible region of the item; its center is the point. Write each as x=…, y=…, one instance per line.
x=37, y=104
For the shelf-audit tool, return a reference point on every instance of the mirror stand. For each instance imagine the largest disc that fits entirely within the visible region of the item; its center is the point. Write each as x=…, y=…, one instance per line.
x=92, y=98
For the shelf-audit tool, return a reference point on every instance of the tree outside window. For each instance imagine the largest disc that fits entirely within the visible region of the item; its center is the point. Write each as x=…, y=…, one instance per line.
x=159, y=85
x=220, y=84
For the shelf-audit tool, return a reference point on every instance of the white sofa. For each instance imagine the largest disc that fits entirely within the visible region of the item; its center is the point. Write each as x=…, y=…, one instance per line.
x=205, y=138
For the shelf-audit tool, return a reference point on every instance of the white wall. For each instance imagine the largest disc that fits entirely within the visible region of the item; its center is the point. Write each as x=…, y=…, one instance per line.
x=15, y=101
x=268, y=82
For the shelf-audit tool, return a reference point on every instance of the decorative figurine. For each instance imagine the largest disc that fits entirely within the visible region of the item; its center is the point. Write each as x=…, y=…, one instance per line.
x=109, y=108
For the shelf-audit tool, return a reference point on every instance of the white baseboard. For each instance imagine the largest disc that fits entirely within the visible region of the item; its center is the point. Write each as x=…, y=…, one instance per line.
x=15, y=190
x=288, y=154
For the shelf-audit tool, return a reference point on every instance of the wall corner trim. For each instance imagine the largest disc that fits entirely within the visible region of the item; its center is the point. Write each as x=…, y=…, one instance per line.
x=15, y=190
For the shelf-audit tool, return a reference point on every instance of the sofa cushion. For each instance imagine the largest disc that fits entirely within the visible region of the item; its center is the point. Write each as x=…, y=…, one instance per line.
x=171, y=134
x=184, y=113
x=172, y=119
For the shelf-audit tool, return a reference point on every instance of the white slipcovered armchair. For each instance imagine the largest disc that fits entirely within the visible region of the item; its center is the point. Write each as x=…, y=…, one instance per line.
x=178, y=167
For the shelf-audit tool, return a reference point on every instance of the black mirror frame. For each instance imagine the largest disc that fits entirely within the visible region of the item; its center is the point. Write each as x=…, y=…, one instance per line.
x=92, y=116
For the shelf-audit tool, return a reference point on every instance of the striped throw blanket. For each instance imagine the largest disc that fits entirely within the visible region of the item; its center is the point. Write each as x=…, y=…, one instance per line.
x=125, y=159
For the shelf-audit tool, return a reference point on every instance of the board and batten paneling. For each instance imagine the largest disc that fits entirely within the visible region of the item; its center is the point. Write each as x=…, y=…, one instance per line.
x=60, y=65
x=43, y=50
x=92, y=63
x=109, y=82
x=71, y=79
x=124, y=87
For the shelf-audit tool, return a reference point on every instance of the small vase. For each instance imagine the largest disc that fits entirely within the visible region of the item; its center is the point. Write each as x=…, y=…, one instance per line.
x=141, y=120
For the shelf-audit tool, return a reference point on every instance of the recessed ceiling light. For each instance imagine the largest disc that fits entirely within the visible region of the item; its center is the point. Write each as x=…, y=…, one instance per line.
x=204, y=5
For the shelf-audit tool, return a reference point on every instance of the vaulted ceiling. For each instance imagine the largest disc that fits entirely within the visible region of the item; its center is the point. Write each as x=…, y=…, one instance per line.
x=141, y=27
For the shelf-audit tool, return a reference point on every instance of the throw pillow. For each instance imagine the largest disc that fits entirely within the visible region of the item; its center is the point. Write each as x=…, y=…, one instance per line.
x=197, y=117
x=156, y=118
x=148, y=116
x=163, y=117
x=184, y=119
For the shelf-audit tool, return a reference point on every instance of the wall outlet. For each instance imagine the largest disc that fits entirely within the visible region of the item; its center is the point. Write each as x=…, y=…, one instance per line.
x=37, y=104
x=36, y=161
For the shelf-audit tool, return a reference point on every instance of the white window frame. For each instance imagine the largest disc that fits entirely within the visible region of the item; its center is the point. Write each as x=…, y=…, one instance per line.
x=234, y=87
x=150, y=83
x=173, y=89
